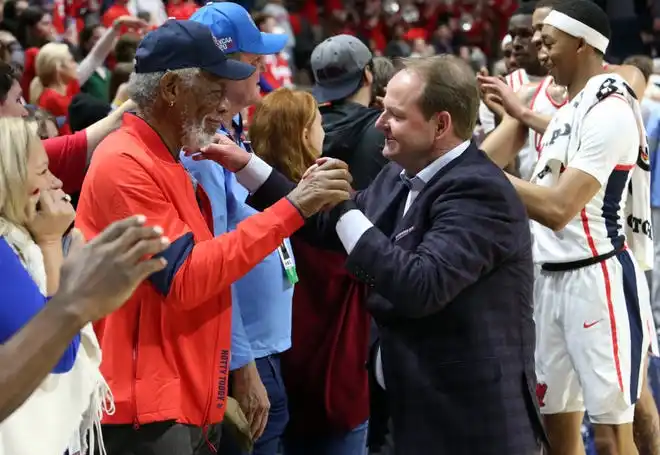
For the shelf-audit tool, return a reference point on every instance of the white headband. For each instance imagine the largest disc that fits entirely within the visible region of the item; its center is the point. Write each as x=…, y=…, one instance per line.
x=506, y=41
x=577, y=29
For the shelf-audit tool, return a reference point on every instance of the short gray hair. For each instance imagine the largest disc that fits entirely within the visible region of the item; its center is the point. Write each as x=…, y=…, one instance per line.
x=143, y=87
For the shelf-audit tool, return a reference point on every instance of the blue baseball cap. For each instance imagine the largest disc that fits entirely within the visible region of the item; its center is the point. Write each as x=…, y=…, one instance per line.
x=236, y=31
x=187, y=44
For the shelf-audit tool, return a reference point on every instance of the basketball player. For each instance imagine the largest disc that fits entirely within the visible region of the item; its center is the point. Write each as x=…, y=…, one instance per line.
x=527, y=112
x=529, y=72
x=591, y=337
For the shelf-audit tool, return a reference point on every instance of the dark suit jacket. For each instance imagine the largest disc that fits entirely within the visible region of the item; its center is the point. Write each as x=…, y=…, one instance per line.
x=452, y=295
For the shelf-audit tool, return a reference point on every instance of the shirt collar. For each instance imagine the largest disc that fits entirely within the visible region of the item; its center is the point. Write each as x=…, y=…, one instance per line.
x=417, y=182
x=152, y=141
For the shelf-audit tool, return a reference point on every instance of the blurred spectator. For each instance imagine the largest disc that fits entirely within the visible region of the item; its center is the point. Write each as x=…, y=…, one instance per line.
x=85, y=110
x=99, y=82
x=35, y=28
x=277, y=72
x=59, y=77
x=11, y=50
x=276, y=9
x=11, y=10
x=118, y=80
x=126, y=46
x=46, y=123
x=383, y=70
x=181, y=9
x=397, y=47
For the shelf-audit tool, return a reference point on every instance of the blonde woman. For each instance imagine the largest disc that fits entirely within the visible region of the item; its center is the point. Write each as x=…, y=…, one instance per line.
x=34, y=215
x=58, y=76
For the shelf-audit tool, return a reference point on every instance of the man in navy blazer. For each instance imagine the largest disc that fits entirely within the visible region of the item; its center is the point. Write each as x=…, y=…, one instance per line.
x=443, y=240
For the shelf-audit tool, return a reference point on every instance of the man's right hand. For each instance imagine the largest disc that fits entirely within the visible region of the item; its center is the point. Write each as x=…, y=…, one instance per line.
x=252, y=397
x=102, y=275
x=324, y=187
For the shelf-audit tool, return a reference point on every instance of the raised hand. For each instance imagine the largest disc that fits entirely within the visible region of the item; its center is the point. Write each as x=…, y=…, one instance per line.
x=53, y=217
x=99, y=277
x=323, y=186
x=511, y=103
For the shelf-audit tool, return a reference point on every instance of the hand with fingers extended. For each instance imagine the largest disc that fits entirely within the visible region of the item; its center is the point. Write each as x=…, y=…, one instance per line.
x=323, y=186
x=223, y=151
x=100, y=276
x=507, y=97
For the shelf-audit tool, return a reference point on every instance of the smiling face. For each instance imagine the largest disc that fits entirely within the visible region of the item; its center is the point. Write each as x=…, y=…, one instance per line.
x=537, y=26
x=409, y=134
x=39, y=177
x=201, y=103
x=560, y=53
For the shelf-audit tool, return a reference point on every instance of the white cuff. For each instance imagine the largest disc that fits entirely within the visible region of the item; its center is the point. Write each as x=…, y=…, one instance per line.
x=350, y=228
x=254, y=174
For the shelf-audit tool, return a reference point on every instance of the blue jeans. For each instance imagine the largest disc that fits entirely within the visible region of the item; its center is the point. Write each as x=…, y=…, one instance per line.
x=352, y=443
x=268, y=444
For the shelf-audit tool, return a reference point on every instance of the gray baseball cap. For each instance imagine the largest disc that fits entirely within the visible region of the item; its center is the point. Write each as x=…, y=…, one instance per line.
x=338, y=65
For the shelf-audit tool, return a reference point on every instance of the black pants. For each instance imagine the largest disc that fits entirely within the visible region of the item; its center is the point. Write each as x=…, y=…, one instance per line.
x=160, y=438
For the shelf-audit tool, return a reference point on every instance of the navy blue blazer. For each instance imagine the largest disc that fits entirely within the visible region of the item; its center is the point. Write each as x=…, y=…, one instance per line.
x=452, y=295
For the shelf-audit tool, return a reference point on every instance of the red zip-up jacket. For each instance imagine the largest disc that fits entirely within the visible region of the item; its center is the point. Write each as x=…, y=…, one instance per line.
x=166, y=351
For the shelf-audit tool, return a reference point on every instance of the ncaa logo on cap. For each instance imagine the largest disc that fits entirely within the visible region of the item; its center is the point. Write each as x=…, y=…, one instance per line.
x=224, y=44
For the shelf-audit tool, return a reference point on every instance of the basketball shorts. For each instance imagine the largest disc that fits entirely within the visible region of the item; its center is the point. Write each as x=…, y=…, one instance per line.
x=593, y=334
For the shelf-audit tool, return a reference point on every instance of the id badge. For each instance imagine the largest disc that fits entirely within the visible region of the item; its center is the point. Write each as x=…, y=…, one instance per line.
x=74, y=443
x=287, y=263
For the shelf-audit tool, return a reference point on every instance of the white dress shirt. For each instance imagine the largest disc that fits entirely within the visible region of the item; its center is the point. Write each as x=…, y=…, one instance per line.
x=353, y=224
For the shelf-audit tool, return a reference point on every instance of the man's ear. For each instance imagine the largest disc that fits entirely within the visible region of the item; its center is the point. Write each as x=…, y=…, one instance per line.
x=169, y=88
x=443, y=123
x=368, y=76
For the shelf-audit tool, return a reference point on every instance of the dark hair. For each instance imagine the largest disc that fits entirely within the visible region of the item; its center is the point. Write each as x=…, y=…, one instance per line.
x=642, y=63
x=120, y=74
x=126, y=47
x=588, y=13
x=525, y=9
x=260, y=17
x=450, y=86
x=85, y=37
x=8, y=75
x=26, y=22
x=383, y=70
x=552, y=4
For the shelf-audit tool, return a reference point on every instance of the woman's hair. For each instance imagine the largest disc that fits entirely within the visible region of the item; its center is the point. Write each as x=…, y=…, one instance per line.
x=126, y=47
x=16, y=138
x=39, y=119
x=276, y=131
x=27, y=20
x=120, y=75
x=85, y=37
x=49, y=59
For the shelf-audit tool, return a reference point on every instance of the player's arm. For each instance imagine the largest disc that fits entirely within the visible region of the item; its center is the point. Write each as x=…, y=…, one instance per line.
x=504, y=142
x=525, y=115
x=607, y=130
x=633, y=76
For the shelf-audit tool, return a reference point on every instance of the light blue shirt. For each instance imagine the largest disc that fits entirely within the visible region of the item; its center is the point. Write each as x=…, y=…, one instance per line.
x=261, y=300
x=653, y=136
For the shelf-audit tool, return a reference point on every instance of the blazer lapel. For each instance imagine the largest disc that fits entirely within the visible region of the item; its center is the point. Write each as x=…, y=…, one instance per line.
x=387, y=215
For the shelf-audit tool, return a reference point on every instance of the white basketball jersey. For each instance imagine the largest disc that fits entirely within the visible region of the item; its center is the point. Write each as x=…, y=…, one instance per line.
x=608, y=148
x=541, y=103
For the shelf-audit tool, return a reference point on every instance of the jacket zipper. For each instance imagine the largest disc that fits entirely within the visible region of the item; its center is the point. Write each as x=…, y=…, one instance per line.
x=212, y=389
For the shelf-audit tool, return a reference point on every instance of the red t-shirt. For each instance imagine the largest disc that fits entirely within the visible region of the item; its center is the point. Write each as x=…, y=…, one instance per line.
x=112, y=14
x=182, y=11
x=67, y=156
x=29, y=70
x=58, y=104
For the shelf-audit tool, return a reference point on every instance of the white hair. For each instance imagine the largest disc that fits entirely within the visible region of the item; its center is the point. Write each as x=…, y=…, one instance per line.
x=143, y=87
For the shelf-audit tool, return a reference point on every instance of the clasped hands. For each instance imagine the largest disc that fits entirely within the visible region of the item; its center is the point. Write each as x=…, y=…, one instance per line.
x=324, y=185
